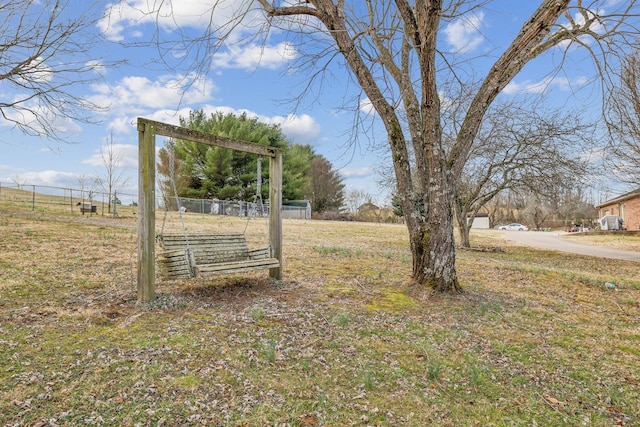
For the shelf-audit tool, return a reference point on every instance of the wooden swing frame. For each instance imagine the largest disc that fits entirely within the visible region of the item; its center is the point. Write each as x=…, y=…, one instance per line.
x=147, y=131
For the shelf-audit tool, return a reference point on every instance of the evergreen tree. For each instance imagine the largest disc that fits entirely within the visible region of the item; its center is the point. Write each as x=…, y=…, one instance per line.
x=205, y=171
x=327, y=189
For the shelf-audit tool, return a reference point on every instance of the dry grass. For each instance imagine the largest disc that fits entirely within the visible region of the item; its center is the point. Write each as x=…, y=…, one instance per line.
x=345, y=339
x=625, y=242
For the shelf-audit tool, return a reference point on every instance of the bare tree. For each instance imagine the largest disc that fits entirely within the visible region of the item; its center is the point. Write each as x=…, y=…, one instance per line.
x=572, y=207
x=327, y=189
x=19, y=181
x=393, y=54
x=391, y=50
x=85, y=184
x=114, y=177
x=521, y=147
x=538, y=211
x=624, y=123
x=355, y=198
x=45, y=54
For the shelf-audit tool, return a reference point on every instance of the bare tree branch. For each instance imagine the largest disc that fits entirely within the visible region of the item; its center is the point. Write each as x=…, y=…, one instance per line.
x=45, y=55
x=623, y=120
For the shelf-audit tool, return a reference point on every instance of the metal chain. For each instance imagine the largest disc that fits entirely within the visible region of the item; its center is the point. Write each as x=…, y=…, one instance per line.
x=189, y=253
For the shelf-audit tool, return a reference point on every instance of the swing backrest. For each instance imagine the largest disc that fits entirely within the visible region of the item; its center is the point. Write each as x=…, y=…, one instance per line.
x=208, y=248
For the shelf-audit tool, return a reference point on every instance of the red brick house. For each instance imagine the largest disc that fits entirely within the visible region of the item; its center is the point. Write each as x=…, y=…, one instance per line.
x=626, y=206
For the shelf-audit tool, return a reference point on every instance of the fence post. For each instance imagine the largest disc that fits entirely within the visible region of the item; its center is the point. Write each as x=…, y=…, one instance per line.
x=33, y=198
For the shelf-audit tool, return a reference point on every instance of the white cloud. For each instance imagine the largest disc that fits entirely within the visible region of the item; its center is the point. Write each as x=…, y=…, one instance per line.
x=253, y=56
x=169, y=116
x=366, y=107
x=122, y=20
x=596, y=26
x=233, y=21
x=122, y=125
x=543, y=85
x=128, y=123
x=360, y=172
x=97, y=66
x=36, y=71
x=525, y=87
x=301, y=129
x=122, y=15
x=38, y=118
x=464, y=33
x=126, y=154
x=51, y=178
x=581, y=81
x=142, y=93
x=158, y=99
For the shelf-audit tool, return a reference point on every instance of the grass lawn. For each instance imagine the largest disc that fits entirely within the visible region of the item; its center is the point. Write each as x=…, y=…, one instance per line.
x=345, y=339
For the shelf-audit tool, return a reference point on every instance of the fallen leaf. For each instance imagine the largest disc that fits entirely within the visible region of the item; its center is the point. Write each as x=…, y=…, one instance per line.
x=552, y=400
x=309, y=420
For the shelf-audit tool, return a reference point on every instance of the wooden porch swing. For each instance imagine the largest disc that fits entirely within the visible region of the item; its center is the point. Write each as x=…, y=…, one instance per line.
x=207, y=254
x=203, y=254
x=197, y=255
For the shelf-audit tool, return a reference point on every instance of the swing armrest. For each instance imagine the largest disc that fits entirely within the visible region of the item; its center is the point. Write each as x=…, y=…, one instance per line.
x=259, y=253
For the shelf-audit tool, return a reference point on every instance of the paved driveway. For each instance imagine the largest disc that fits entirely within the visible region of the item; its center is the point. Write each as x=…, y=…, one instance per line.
x=553, y=240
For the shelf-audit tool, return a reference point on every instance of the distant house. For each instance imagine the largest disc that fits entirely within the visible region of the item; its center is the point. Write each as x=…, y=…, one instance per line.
x=626, y=207
x=368, y=212
x=481, y=220
x=368, y=206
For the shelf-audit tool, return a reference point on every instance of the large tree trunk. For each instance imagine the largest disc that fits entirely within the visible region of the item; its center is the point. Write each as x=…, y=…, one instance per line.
x=434, y=263
x=432, y=244
x=433, y=250
x=431, y=239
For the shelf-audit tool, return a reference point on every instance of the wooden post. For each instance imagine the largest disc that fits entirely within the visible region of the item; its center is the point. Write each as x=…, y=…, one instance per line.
x=146, y=211
x=275, y=211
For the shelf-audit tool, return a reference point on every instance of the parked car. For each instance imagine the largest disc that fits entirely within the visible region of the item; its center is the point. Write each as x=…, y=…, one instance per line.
x=514, y=226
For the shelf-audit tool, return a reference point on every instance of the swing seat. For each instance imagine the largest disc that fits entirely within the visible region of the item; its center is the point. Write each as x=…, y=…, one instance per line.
x=212, y=254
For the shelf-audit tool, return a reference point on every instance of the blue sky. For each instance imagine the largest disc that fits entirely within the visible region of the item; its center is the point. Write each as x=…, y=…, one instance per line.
x=248, y=78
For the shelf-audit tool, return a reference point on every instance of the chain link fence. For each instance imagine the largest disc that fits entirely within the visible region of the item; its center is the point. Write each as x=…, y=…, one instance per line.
x=233, y=208
x=84, y=201
x=73, y=200
x=215, y=207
